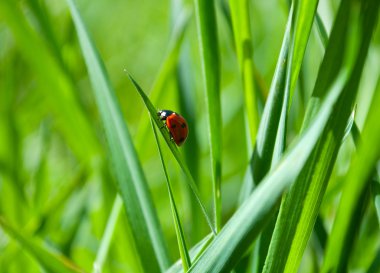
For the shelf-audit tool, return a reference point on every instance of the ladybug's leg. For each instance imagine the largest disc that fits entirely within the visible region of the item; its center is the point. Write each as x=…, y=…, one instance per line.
x=163, y=125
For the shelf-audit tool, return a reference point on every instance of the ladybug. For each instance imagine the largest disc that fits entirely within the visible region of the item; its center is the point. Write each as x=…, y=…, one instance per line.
x=176, y=125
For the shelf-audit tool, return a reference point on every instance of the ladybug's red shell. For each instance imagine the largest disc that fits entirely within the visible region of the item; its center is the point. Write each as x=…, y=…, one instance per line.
x=176, y=125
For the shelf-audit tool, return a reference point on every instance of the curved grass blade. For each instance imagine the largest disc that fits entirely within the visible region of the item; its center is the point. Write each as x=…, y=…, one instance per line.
x=358, y=180
x=131, y=182
x=266, y=136
x=165, y=133
x=240, y=14
x=209, y=51
x=47, y=258
x=245, y=225
x=303, y=21
x=186, y=263
x=300, y=207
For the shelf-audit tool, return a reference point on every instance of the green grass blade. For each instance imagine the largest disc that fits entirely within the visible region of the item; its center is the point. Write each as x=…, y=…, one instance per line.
x=49, y=259
x=186, y=263
x=244, y=226
x=321, y=30
x=376, y=199
x=300, y=208
x=131, y=181
x=164, y=74
x=194, y=254
x=279, y=138
x=185, y=82
x=209, y=51
x=105, y=243
x=356, y=183
x=165, y=133
x=303, y=20
x=240, y=14
x=375, y=266
x=267, y=134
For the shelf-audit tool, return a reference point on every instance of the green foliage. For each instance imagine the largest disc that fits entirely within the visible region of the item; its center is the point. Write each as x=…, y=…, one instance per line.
x=281, y=99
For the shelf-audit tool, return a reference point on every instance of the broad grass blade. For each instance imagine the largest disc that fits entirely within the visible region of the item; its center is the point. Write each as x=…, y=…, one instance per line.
x=130, y=178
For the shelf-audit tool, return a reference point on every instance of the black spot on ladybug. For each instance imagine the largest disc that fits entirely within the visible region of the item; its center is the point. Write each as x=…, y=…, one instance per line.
x=173, y=126
x=183, y=125
x=181, y=139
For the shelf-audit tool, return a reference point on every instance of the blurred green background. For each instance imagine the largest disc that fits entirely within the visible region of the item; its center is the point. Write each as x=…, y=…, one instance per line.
x=56, y=179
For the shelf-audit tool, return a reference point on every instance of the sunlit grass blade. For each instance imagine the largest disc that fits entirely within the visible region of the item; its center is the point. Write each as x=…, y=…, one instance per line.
x=209, y=51
x=303, y=20
x=165, y=133
x=49, y=259
x=285, y=226
x=266, y=136
x=300, y=207
x=279, y=97
x=186, y=263
x=245, y=225
x=241, y=18
x=130, y=178
x=105, y=243
x=358, y=179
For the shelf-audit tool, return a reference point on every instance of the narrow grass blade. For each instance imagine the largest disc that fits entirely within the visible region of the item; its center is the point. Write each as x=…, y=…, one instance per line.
x=186, y=82
x=165, y=133
x=357, y=182
x=266, y=136
x=244, y=226
x=209, y=51
x=105, y=243
x=166, y=71
x=194, y=254
x=300, y=207
x=376, y=198
x=321, y=30
x=49, y=259
x=186, y=263
x=130, y=178
x=241, y=18
x=303, y=20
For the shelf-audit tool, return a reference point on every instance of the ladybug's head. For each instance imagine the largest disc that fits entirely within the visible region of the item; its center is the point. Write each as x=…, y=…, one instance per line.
x=163, y=114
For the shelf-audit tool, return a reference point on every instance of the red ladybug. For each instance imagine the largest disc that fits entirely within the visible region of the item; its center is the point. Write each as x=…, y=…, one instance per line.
x=176, y=124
